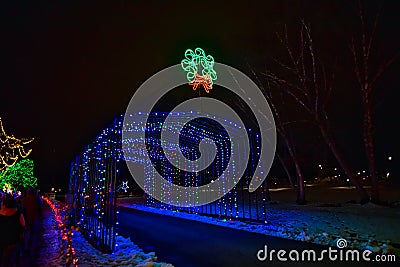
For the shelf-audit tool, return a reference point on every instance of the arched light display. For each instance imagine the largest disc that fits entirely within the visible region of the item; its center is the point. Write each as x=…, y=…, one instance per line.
x=96, y=173
x=93, y=184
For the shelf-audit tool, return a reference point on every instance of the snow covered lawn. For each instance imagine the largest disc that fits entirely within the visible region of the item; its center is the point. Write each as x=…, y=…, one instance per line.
x=363, y=226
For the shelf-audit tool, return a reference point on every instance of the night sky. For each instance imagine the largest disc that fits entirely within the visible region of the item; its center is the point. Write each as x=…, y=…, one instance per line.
x=68, y=69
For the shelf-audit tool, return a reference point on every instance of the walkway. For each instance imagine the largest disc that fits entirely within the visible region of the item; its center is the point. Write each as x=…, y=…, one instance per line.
x=186, y=243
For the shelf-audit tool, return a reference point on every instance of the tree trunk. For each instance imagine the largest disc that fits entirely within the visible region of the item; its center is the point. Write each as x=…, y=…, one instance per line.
x=364, y=198
x=301, y=195
x=283, y=163
x=369, y=149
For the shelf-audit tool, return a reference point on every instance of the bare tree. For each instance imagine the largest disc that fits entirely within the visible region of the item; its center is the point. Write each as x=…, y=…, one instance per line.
x=367, y=76
x=282, y=125
x=309, y=85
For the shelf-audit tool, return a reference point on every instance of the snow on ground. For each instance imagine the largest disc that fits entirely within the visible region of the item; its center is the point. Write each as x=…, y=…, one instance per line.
x=126, y=254
x=367, y=226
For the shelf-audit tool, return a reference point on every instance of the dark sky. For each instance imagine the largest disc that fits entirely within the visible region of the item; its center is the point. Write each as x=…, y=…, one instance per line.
x=68, y=69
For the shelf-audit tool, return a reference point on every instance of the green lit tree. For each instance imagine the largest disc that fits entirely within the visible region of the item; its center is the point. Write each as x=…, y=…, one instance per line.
x=19, y=176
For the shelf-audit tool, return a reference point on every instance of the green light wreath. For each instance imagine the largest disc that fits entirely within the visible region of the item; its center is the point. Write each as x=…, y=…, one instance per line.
x=199, y=68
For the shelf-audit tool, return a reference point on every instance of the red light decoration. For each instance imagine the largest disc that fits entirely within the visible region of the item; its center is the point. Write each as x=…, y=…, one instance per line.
x=61, y=217
x=203, y=80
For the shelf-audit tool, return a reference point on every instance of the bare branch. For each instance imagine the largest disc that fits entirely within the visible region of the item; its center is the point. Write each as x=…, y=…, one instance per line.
x=355, y=60
x=374, y=28
x=283, y=65
x=383, y=67
x=302, y=60
x=314, y=72
x=365, y=55
x=282, y=83
x=295, y=69
x=329, y=86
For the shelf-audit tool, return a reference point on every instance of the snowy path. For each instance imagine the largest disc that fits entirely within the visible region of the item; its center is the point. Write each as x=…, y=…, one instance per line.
x=50, y=251
x=186, y=243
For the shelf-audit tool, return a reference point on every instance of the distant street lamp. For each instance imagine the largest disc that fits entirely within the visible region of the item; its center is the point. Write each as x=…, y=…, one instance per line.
x=389, y=167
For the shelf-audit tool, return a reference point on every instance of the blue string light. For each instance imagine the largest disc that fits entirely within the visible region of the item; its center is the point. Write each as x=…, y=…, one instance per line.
x=101, y=161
